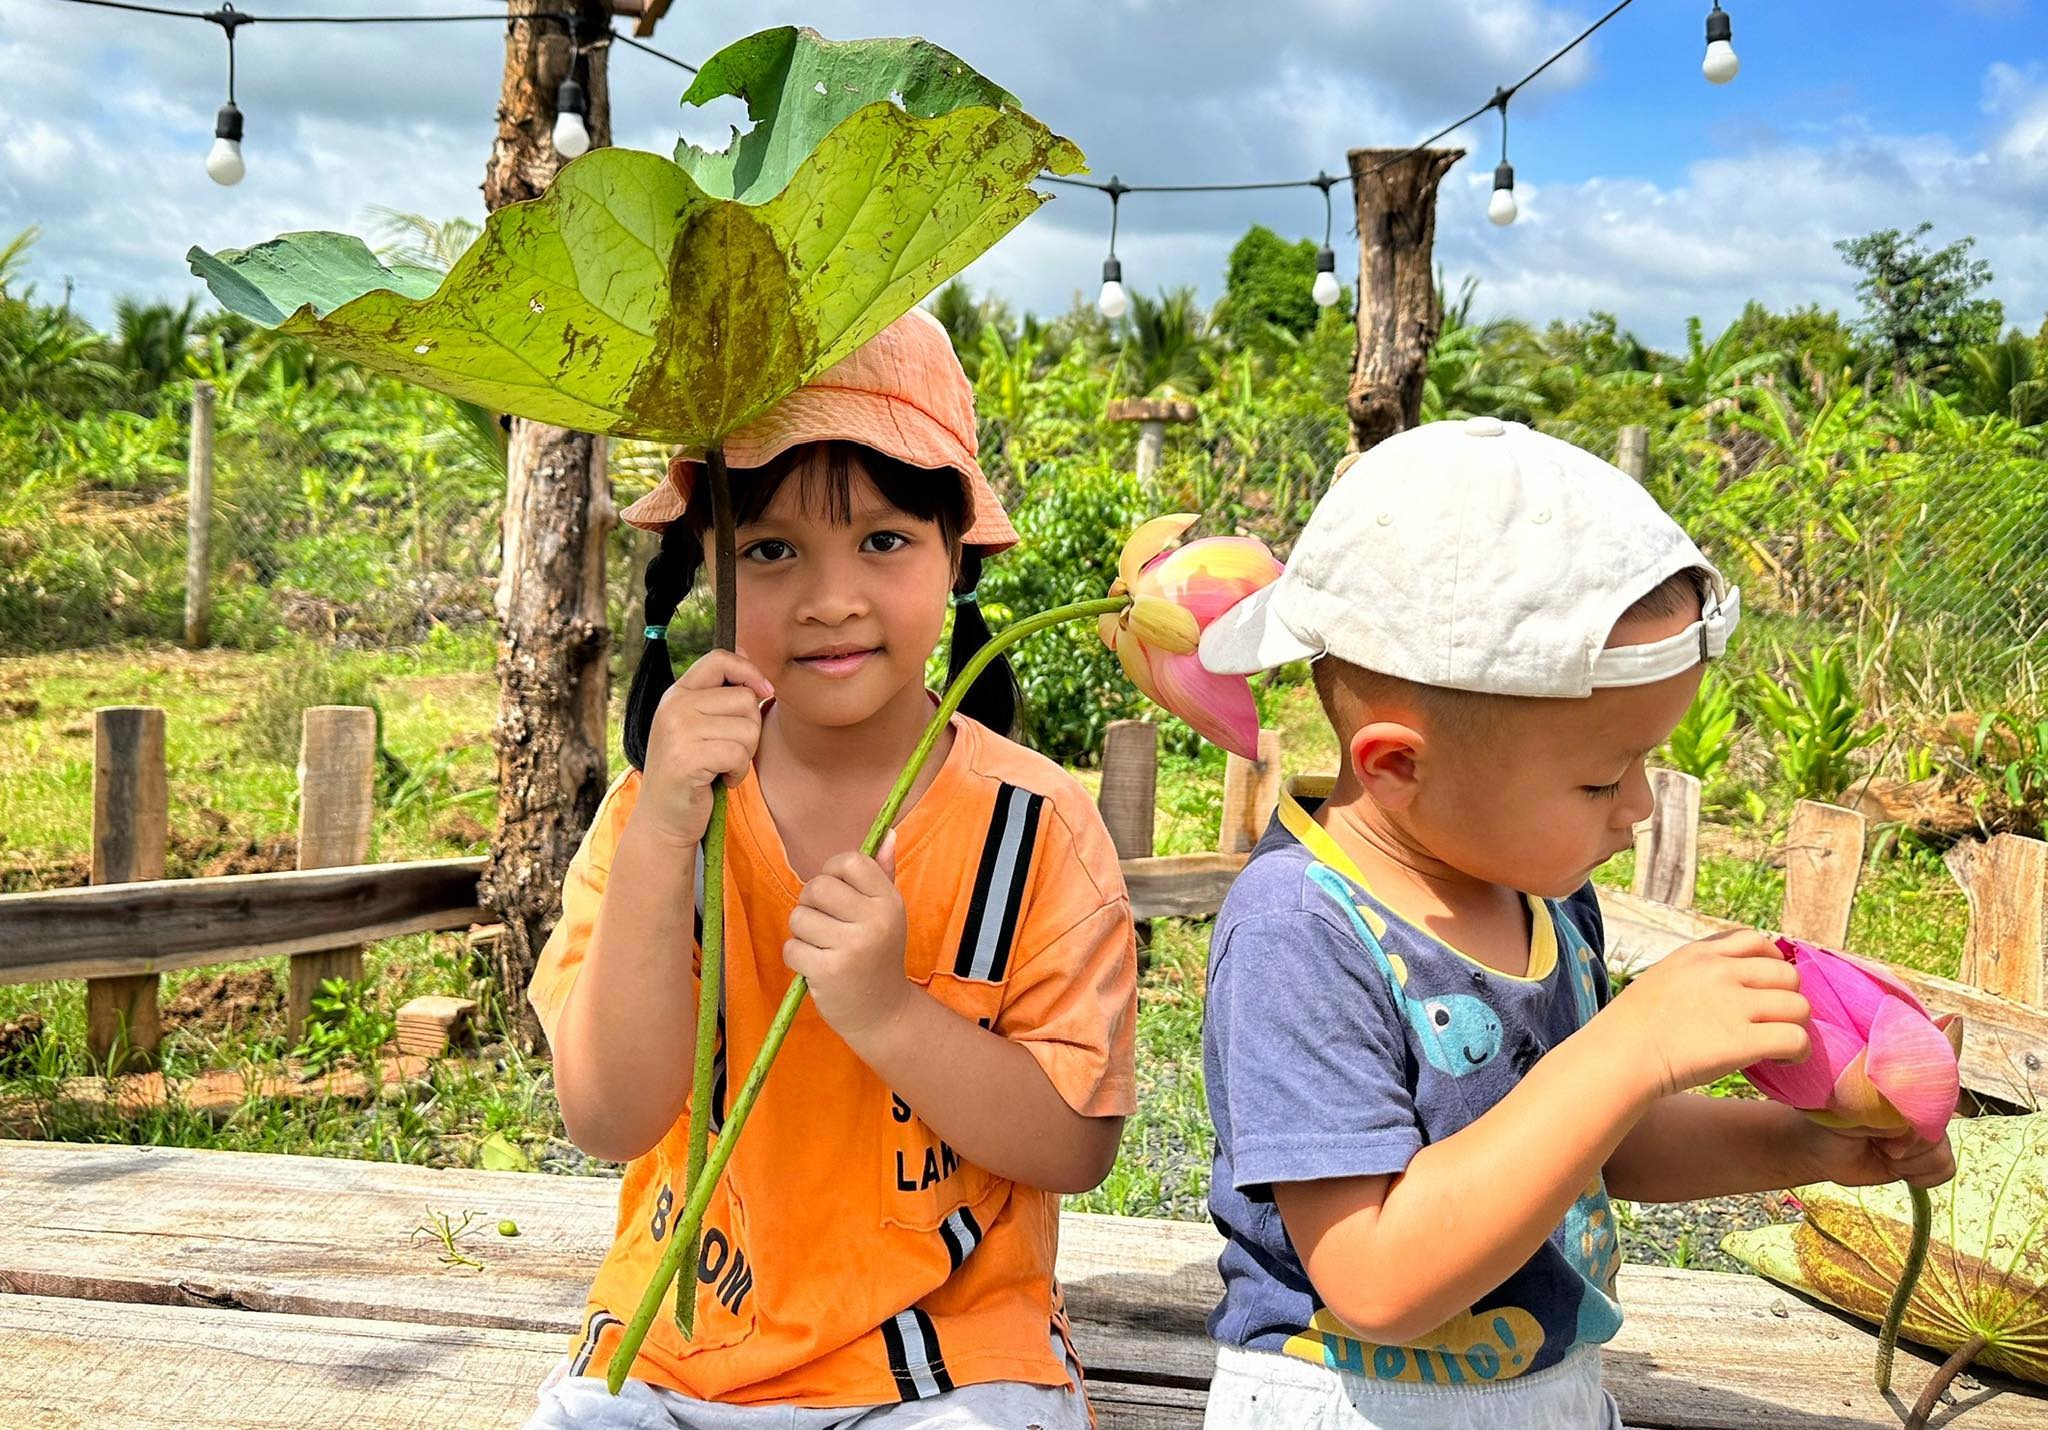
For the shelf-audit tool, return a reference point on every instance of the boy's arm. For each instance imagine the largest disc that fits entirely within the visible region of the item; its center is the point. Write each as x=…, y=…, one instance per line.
x=1692, y=1146
x=1395, y=1257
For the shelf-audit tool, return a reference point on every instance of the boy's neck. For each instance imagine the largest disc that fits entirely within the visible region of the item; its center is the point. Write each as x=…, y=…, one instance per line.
x=1484, y=920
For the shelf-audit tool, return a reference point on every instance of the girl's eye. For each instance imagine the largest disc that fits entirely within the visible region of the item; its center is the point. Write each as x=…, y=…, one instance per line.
x=883, y=542
x=769, y=550
x=1602, y=791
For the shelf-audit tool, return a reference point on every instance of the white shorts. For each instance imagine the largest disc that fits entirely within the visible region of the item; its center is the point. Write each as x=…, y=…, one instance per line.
x=1266, y=1390
x=583, y=1401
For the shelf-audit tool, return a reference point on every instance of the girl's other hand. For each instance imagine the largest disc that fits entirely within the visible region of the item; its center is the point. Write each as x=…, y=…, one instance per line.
x=846, y=935
x=707, y=725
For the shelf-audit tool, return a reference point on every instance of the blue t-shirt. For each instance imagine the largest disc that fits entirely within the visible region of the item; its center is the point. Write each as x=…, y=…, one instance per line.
x=1339, y=1040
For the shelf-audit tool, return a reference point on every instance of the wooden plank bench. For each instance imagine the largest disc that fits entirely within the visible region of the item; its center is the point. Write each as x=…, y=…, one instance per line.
x=138, y=1274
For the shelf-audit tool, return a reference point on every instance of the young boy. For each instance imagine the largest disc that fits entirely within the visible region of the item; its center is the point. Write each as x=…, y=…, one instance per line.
x=1422, y=1092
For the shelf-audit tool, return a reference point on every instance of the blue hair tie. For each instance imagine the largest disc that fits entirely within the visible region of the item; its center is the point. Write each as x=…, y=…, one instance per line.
x=657, y=633
x=963, y=598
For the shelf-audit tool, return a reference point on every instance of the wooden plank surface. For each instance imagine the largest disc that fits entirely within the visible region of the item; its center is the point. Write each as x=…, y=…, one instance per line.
x=2005, y=1044
x=1823, y=859
x=294, y=1236
x=1189, y=886
x=162, y=924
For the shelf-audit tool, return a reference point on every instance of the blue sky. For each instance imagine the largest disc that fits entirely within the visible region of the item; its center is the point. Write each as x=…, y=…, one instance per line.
x=1646, y=191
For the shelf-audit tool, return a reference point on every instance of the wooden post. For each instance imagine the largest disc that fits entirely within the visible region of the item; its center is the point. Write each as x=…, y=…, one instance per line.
x=131, y=826
x=1152, y=414
x=1823, y=857
x=2006, y=949
x=1399, y=315
x=337, y=798
x=554, y=672
x=1251, y=789
x=1632, y=451
x=1668, y=842
x=1129, y=797
x=199, y=520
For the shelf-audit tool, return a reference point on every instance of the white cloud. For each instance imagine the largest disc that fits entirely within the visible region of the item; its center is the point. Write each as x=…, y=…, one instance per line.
x=1157, y=90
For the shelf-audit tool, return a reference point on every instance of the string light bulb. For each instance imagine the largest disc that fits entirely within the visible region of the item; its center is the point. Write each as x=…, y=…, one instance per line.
x=572, y=135
x=1501, y=209
x=1113, y=302
x=224, y=160
x=1720, y=64
x=224, y=164
x=1326, y=290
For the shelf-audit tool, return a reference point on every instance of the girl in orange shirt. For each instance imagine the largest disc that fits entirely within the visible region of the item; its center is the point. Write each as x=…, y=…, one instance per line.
x=880, y=1250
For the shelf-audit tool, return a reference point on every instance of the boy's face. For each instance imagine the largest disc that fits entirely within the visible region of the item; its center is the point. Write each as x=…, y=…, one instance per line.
x=840, y=618
x=1548, y=790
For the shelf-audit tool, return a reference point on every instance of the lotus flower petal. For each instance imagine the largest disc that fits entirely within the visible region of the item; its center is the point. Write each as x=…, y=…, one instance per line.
x=1808, y=1086
x=1859, y=1102
x=1147, y=542
x=1107, y=627
x=1163, y=626
x=1951, y=1025
x=1209, y=576
x=1137, y=666
x=1219, y=707
x=1912, y=1065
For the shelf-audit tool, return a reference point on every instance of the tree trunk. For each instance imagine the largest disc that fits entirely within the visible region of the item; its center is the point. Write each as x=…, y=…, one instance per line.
x=1398, y=312
x=553, y=666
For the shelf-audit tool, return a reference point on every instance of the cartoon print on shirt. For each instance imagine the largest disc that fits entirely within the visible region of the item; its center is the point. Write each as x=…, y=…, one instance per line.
x=1459, y=1033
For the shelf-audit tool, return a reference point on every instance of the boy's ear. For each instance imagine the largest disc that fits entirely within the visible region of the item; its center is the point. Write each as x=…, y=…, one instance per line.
x=1384, y=758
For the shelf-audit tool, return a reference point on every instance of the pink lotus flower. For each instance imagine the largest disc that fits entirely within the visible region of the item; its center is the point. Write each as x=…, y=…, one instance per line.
x=1175, y=594
x=1878, y=1061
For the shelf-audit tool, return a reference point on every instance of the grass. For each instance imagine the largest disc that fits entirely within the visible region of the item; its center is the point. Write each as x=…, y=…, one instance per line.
x=232, y=783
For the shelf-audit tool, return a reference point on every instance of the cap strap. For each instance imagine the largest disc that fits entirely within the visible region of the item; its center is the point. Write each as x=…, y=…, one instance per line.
x=1703, y=640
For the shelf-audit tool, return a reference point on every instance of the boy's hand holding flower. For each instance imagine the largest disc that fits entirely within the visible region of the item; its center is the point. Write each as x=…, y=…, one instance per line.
x=1860, y=1157
x=846, y=936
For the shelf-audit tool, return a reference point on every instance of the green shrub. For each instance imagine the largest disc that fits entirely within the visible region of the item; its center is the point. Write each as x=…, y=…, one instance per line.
x=1071, y=526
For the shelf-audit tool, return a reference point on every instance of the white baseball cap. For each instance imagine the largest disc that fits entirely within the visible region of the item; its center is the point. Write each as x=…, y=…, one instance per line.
x=1477, y=555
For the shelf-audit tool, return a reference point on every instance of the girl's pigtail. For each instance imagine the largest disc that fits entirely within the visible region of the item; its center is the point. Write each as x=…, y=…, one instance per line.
x=670, y=574
x=993, y=697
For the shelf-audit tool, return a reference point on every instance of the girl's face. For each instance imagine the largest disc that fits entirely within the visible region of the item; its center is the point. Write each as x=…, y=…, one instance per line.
x=840, y=617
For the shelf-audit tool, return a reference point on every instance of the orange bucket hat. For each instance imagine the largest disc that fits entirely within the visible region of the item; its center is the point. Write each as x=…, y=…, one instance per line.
x=902, y=393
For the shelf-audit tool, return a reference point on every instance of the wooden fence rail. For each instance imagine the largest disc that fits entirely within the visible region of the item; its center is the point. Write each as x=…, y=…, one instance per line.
x=132, y=924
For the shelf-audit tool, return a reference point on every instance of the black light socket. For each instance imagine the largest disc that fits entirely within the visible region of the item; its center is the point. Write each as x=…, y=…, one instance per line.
x=1326, y=259
x=1504, y=176
x=569, y=99
x=228, y=123
x=1112, y=271
x=1719, y=26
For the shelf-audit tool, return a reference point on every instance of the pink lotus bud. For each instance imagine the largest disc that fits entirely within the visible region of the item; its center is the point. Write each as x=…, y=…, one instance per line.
x=1175, y=594
x=1878, y=1061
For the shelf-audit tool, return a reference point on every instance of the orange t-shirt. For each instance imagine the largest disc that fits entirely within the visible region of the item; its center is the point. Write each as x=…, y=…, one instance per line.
x=849, y=1256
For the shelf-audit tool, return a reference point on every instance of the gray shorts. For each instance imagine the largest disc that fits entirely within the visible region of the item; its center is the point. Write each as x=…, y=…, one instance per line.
x=1266, y=1390
x=582, y=1401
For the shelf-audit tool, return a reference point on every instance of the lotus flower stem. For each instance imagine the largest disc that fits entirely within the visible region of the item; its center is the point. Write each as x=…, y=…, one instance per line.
x=1895, y=1314
x=683, y=1239
x=711, y=958
x=1923, y=1408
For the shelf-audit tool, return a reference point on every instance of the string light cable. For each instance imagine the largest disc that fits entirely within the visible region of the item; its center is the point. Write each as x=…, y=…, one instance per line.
x=224, y=162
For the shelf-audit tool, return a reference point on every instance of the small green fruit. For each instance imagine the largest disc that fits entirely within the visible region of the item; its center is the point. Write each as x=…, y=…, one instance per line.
x=508, y=1227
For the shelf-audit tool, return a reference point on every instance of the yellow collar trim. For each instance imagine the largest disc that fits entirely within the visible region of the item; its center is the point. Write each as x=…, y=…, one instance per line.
x=1320, y=843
